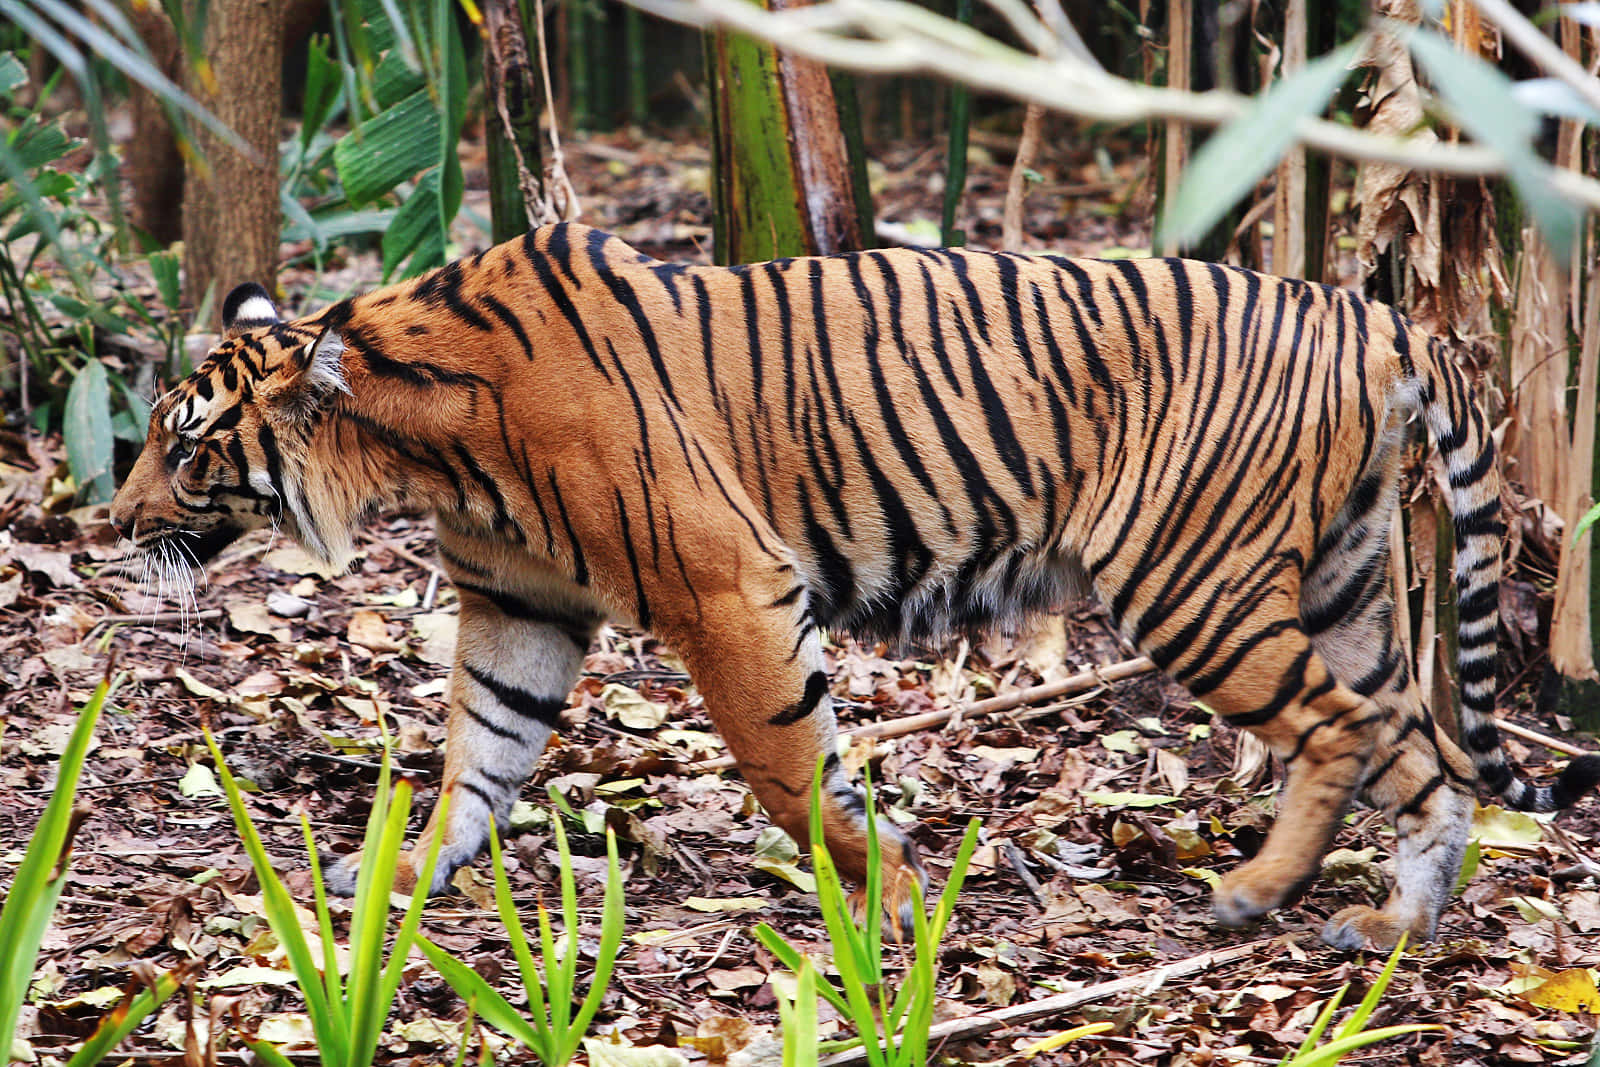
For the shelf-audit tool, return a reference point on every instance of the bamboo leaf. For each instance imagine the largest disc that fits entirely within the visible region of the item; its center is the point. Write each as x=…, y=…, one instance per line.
x=1483, y=103
x=493, y=1008
x=86, y=426
x=390, y=148
x=1239, y=154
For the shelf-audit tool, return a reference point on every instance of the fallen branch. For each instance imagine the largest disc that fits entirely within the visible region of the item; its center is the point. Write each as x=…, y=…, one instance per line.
x=1144, y=983
x=910, y=724
x=1553, y=743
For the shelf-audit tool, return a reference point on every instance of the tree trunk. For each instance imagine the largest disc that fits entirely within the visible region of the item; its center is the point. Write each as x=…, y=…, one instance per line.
x=231, y=217
x=151, y=159
x=784, y=183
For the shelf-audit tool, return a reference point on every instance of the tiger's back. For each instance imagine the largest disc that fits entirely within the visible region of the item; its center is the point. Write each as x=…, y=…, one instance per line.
x=906, y=443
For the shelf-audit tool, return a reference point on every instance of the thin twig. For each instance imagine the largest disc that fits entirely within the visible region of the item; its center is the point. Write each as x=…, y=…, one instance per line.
x=1089, y=679
x=1019, y=863
x=1142, y=984
x=1537, y=738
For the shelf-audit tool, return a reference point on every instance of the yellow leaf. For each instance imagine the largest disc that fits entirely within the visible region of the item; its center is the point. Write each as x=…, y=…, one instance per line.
x=1209, y=877
x=629, y=707
x=725, y=903
x=1494, y=823
x=1572, y=990
x=1128, y=800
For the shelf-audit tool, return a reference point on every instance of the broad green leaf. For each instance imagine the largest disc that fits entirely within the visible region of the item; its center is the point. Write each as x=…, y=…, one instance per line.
x=12, y=72
x=1236, y=156
x=393, y=147
x=164, y=268
x=1128, y=800
x=415, y=231
x=1482, y=101
x=321, y=90
x=87, y=429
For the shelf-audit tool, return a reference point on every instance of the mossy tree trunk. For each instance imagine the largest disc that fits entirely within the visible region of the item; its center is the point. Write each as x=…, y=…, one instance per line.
x=514, y=96
x=788, y=175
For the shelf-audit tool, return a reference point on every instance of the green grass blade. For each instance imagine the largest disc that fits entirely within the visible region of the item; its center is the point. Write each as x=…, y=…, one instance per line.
x=798, y=1020
x=122, y=1019
x=560, y=971
x=1334, y=1051
x=1369, y=1003
x=330, y=1026
x=37, y=885
x=492, y=1008
x=532, y=983
x=268, y=1054
x=407, y=934
x=1319, y=1027
x=791, y=958
x=612, y=917
x=369, y=923
x=330, y=958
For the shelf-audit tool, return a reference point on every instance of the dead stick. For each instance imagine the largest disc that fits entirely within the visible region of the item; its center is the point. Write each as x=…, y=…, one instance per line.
x=1541, y=739
x=151, y=618
x=1076, y=683
x=1144, y=983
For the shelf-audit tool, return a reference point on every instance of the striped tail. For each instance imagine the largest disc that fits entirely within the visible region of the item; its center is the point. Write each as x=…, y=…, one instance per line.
x=1461, y=431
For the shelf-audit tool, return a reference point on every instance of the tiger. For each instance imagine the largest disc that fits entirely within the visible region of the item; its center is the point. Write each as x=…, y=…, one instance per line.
x=900, y=444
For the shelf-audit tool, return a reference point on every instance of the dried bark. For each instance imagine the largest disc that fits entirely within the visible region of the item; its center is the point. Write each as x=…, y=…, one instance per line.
x=151, y=160
x=231, y=218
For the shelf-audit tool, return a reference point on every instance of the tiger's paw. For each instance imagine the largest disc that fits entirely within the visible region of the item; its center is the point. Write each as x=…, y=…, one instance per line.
x=903, y=889
x=340, y=874
x=1241, y=900
x=1358, y=926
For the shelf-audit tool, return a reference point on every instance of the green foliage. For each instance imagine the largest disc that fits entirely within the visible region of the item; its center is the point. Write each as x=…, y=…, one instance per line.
x=46, y=213
x=892, y=1022
x=1586, y=523
x=798, y=1019
x=1350, y=1035
x=43, y=872
x=550, y=1030
x=1496, y=112
x=404, y=84
x=32, y=901
x=346, y=1016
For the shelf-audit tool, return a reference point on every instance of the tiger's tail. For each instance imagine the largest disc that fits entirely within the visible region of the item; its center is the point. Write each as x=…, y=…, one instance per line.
x=1461, y=430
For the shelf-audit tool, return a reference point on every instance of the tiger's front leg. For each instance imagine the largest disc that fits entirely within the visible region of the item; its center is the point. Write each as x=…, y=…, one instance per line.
x=517, y=657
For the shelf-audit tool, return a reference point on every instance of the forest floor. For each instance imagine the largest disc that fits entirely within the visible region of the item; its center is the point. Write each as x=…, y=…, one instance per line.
x=293, y=669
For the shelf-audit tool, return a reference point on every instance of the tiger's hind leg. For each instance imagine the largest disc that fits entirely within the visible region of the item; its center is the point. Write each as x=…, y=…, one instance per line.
x=1240, y=649
x=520, y=643
x=1417, y=777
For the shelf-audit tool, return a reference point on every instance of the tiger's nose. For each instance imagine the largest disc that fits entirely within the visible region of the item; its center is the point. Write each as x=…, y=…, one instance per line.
x=124, y=524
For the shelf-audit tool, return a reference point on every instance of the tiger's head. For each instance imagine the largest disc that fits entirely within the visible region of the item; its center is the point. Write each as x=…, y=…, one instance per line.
x=227, y=449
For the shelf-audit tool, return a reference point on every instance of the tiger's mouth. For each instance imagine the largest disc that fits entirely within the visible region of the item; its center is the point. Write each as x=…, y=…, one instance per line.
x=195, y=547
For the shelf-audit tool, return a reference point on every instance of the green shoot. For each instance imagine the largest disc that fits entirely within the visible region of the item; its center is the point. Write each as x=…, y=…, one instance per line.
x=549, y=1029
x=347, y=1018
x=1350, y=1035
x=864, y=994
x=43, y=872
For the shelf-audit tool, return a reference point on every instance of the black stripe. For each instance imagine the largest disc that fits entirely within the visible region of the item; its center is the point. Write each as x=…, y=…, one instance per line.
x=511, y=322
x=545, y=710
x=816, y=689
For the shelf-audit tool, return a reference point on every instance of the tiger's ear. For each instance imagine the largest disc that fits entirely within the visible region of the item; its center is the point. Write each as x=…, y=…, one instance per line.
x=248, y=307
x=304, y=385
x=315, y=371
